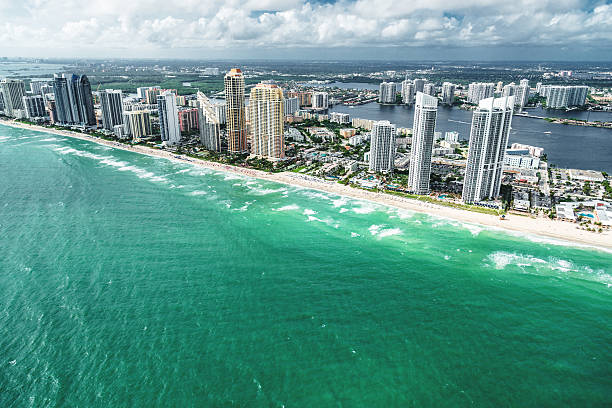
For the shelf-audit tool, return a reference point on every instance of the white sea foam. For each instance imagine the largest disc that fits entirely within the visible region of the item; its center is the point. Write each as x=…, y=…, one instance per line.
x=289, y=207
x=354, y=234
x=340, y=201
x=308, y=211
x=264, y=191
x=374, y=229
x=365, y=208
x=315, y=194
x=343, y=210
x=198, y=193
x=389, y=232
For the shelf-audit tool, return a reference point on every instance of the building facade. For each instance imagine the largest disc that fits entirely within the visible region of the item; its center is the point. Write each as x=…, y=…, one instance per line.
x=387, y=92
x=236, y=112
x=491, y=123
x=267, y=124
x=168, y=118
x=320, y=100
x=111, y=104
x=13, y=91
x=424, y=126
x=382, y=147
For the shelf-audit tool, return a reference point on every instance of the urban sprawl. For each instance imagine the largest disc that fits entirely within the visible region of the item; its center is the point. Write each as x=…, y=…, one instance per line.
x=287, y=126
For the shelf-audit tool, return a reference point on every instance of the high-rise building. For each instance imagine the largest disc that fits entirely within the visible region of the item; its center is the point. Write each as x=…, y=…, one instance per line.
x=74, y=101
x=564, y=96
x=388, y=92
x=188, y=119
x=291, y=105
x=320, y=100
x=491, y=123
x=524, y=82
x=304, y=98
x=521, y=94
x=424, y=126
x=36, y=86
x=407, y=92
x=451, y=137
x=34, y=106
x=448, y=93
x=508, y=90
x=429, y=89
x=168, y=118
x=137, y=123
x=210, y=121
x=236, y=111
x=266, y=118
x=478, y=91
x=13, y=91
x=111, y=102
x=382, y=147
x=419, y=84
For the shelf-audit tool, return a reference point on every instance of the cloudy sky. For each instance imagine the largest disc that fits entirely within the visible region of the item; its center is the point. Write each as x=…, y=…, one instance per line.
x=301, y=29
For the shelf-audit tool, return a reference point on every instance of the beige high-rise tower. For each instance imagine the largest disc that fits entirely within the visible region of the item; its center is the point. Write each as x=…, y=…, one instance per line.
x=266, y=119
x=236, y=112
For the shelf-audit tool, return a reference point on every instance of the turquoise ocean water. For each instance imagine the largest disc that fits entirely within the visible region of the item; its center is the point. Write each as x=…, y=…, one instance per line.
x=127, y=280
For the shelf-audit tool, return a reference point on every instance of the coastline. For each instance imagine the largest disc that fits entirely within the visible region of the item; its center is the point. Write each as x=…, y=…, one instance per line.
x=541, y=227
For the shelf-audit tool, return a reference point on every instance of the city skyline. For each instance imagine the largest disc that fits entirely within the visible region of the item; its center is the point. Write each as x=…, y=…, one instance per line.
x=483, y=30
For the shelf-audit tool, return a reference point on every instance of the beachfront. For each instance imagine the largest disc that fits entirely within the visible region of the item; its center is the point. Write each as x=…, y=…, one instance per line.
x=522, y=225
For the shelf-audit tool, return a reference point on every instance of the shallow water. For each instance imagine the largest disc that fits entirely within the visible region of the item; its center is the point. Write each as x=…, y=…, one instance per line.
x=128, y=280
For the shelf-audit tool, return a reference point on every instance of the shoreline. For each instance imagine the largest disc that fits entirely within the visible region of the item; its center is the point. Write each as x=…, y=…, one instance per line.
x=560, y=231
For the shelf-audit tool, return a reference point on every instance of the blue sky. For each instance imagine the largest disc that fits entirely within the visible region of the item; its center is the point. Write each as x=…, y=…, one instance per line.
x=297, y=29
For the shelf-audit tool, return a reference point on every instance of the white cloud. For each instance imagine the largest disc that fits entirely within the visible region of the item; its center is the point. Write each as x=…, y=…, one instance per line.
x=104, y=25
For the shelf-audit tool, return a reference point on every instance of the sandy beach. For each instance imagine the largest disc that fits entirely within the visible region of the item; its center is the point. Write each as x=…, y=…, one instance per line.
x=523, y=225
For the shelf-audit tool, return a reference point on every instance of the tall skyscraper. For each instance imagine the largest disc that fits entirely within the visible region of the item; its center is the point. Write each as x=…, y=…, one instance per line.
x=388, y=92
x=236, y=112
x=111, y=102
x=266, y=117
x=478, y=91
x=382, y=147
x=491, y=123
x=407, y=92
x=419, y=84
x=34, y=106
x=209, y=121
x=13, y=91
x=168, y=118
x=73, y=99
x=188, y=119
x=524, y=82
x=448, y=93
x=424, y=126
x=320, y=100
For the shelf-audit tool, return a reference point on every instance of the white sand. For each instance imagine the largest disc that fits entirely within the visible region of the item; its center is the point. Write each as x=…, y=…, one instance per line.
x=525, y=226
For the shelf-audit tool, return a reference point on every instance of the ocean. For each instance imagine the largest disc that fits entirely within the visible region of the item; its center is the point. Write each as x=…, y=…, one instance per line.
x=128, y=280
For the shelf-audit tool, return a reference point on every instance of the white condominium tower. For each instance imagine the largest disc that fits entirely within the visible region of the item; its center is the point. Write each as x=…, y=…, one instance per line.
x=425, y=111
x=168, y=118
x=137, y=124
x=479, y=91
x=266, y=118
x=236, y=112
x=407, y=92
x=382, y=147
x=564, y=96
x=112, y=108
x=13, y=91
x=388, y=91
x=448, y=93
x=319, y=100
x=429, y=89
x=491, y=123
